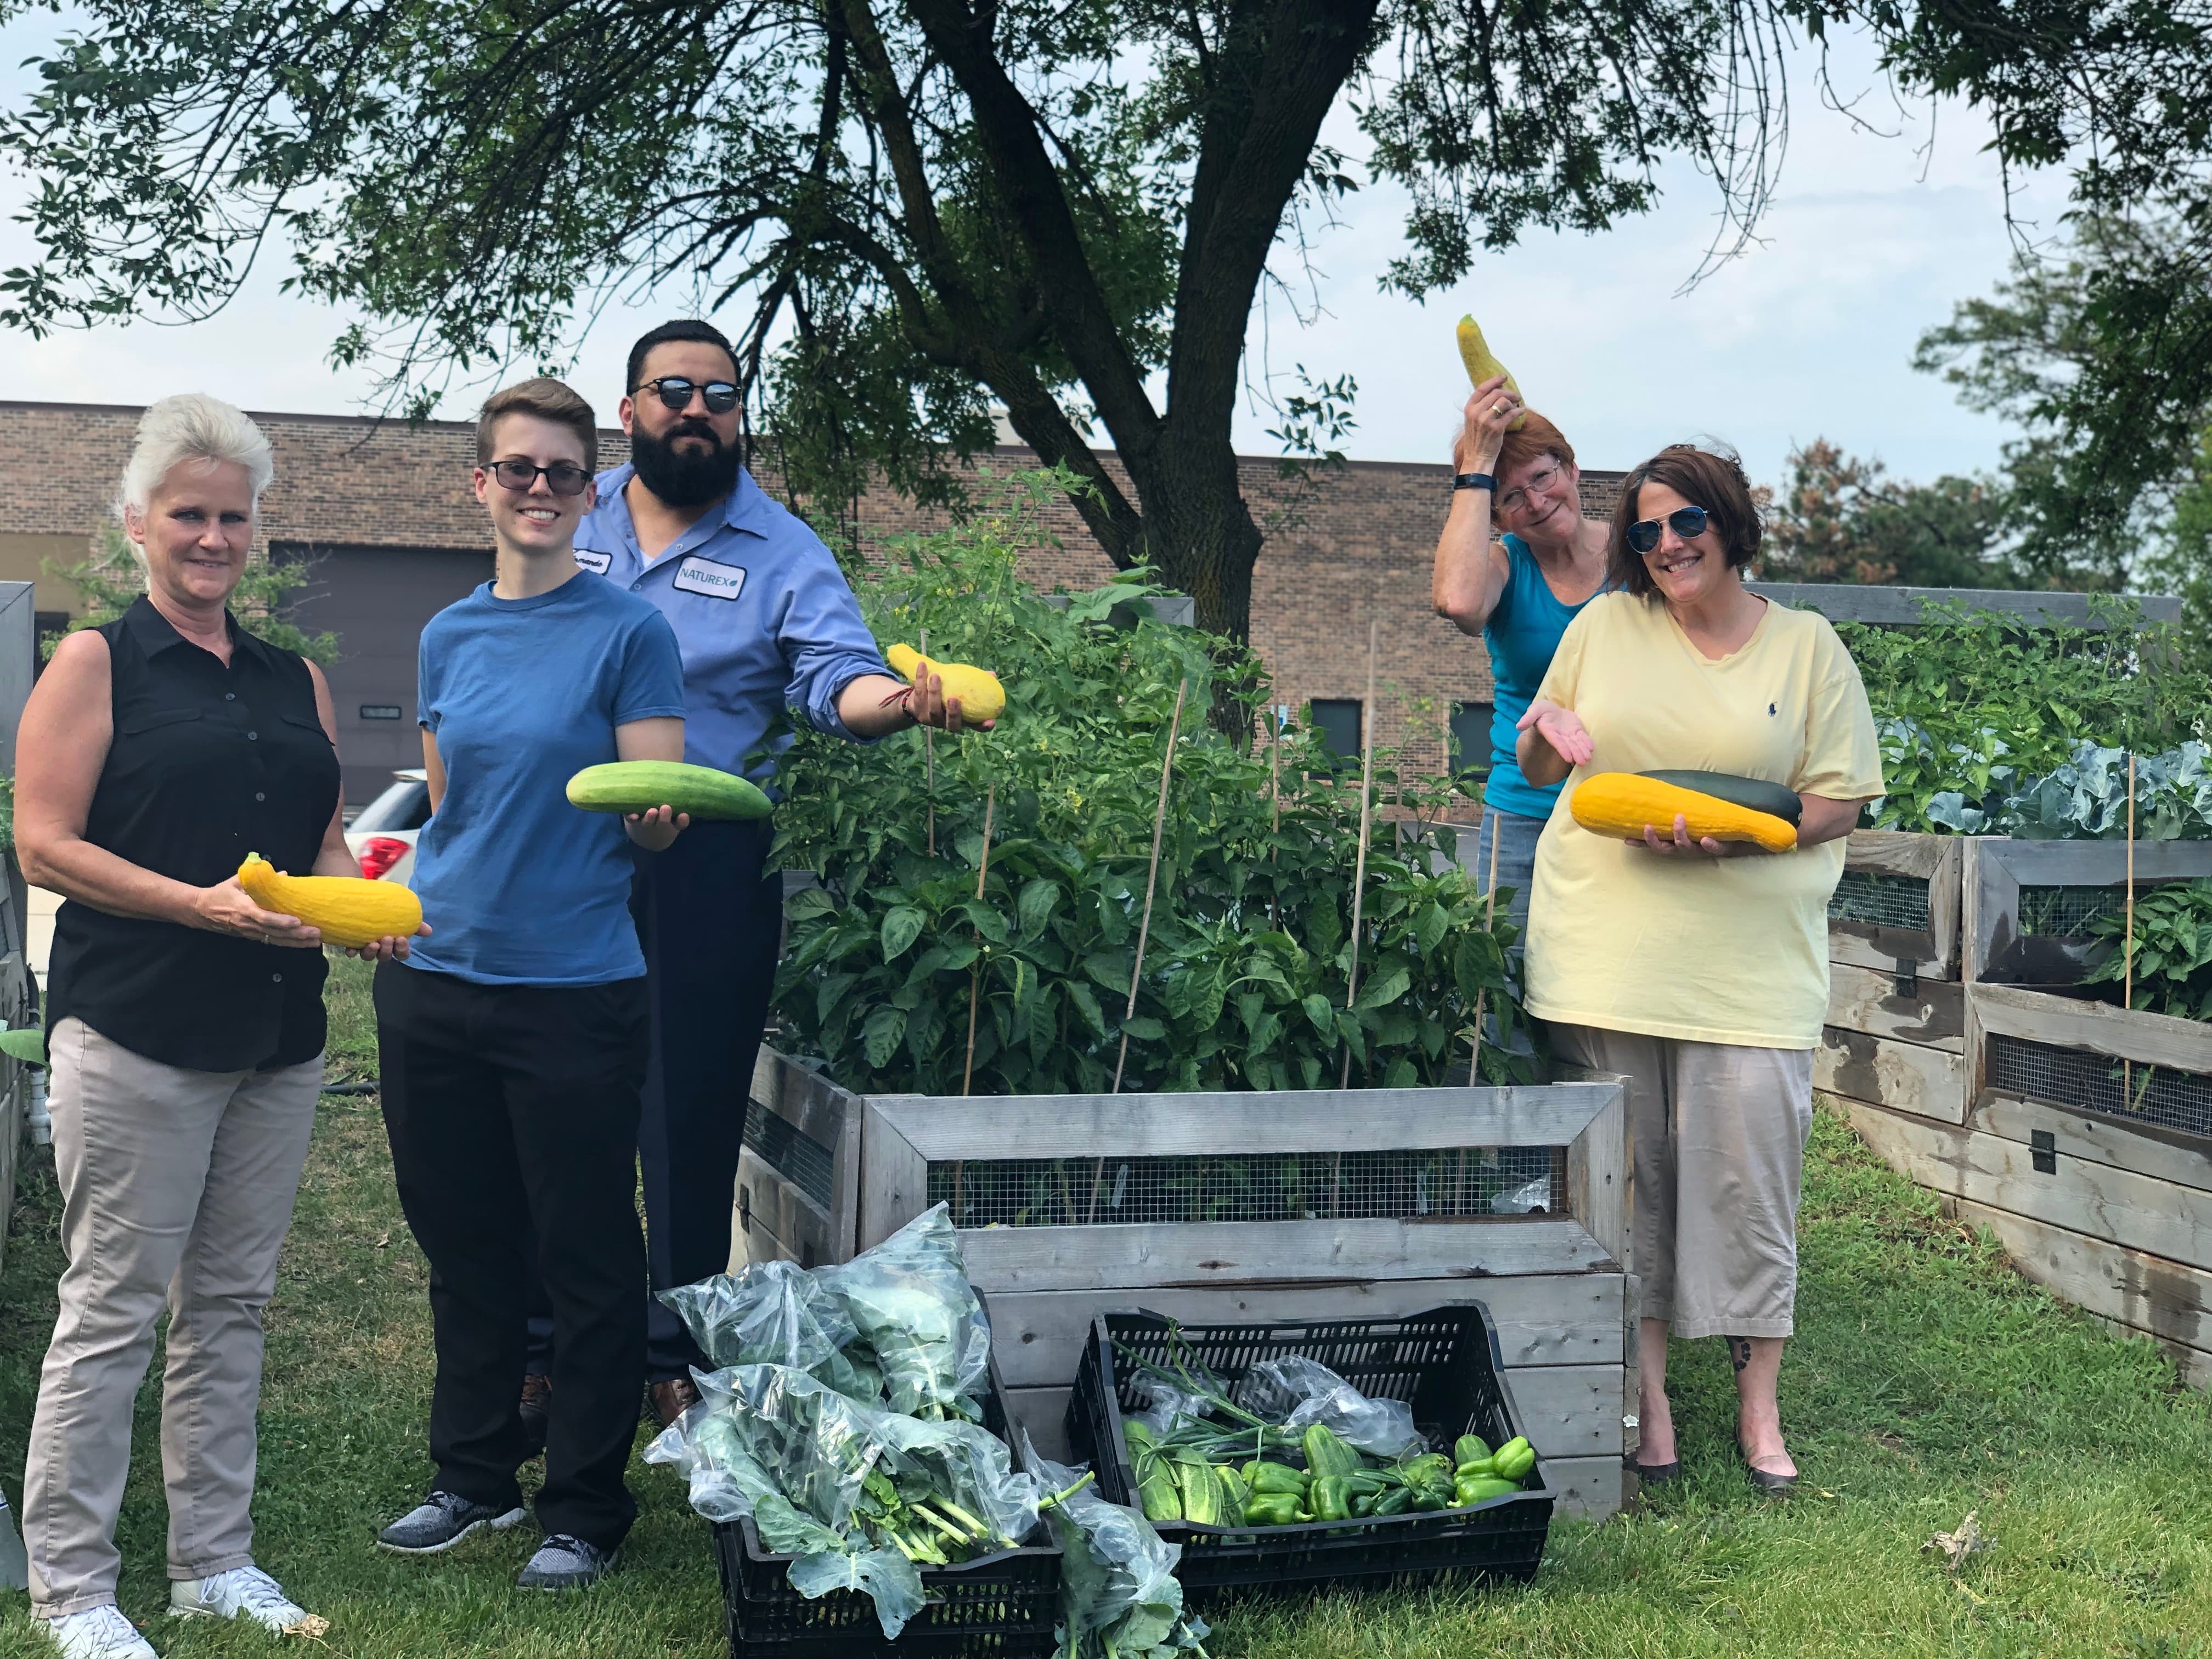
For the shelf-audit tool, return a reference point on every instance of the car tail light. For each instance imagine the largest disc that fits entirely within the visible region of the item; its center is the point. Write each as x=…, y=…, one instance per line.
x=379, y=853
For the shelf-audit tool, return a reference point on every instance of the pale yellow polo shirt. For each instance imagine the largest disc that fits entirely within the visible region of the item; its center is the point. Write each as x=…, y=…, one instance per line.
x=1708, y=950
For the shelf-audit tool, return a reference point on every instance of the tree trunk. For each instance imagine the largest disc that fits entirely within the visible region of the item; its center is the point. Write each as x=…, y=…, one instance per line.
x=1200, y=534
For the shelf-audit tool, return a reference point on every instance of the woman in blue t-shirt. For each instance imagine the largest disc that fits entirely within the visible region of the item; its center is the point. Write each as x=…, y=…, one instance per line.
x=513, y=1051
x=1518, y=593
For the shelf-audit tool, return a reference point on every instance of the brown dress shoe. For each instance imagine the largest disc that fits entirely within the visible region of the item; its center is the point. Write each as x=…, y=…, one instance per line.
x=536, y=1395
x=672, y=1399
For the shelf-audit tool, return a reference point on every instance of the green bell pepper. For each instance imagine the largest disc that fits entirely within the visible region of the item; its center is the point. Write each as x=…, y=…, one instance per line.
x=1274, y=1508
x=1328, y=1499
x=1327, y=1454
x=1514, y=1458
x=1277, y=1478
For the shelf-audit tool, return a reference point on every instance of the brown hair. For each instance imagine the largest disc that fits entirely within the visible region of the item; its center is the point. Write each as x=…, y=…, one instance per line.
x=1534, y=436
x=549, y=400
x=1703, y=477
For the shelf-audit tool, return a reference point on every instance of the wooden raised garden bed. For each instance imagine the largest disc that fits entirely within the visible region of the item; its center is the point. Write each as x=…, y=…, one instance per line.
x=1220, y=1208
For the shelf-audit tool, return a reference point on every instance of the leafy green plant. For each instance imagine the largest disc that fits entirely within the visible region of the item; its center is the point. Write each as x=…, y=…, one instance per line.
x=1974, y=710
x=110, y=578
x=1246, y=969
x=2172, y=954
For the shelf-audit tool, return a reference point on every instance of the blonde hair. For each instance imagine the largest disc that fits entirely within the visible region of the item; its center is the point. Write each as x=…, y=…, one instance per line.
x=192, y=426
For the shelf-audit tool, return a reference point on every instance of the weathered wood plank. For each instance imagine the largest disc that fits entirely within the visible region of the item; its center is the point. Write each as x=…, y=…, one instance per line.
x=1864, y=945
x=2148, y=1151
x=1597, y=1176
x=2000, y=951
x=1945, y=894
x=1905, y=1076
x=765, y=1202
x=1257, y=1254
x=1631, y=1362
x=894, y=1183
x=1570, y=1411
x=2159, y=1217
x=1863, y=1000
x=1899, y=607
x=1895, y=853
x=1591, y=1487
x=1564, y=1319
x=2097, y=1027
x=1286, y=1120
x=2160, y=1298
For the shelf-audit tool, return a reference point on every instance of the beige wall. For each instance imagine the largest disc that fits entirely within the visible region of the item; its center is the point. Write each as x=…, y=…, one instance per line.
x=23, y=558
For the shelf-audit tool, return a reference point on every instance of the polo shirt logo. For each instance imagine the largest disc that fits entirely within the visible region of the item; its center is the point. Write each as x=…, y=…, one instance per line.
x=711, y=577
x=597, y=563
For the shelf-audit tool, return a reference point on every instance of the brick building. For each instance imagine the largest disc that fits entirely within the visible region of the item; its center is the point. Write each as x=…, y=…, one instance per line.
x=384, y=512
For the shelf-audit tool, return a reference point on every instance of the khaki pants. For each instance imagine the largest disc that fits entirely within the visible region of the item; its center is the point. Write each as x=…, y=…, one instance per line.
x=171, y=1180
x=1716, y=1138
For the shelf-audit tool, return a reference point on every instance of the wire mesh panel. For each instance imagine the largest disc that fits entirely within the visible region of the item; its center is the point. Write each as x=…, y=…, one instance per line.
x=2134, y=1091
x=1074, y=1192
x=799, y=1158
x=2067, y=912
x=1883, y=900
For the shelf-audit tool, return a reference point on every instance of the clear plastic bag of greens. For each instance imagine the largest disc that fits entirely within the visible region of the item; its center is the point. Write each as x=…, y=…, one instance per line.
x=1298, y=1392
x=809, y=1442
x=884, y=1577
x=709, y=1446
x=910, y=1299
x=1118, y=1592
x=966, y=1464
x=1167, y=1407
x=775, y=1313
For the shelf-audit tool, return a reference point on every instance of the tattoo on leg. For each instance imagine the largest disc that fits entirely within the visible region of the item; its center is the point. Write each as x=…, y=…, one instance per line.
x=1740, y=1351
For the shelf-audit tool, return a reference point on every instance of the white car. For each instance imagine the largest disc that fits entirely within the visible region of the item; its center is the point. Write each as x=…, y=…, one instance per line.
x=382, y=835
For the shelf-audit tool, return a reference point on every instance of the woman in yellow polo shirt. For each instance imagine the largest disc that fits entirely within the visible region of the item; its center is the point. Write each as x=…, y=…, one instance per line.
x=1699, y=969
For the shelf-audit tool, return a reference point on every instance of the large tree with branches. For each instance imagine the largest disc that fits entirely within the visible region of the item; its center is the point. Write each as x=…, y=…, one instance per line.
x=918, y=207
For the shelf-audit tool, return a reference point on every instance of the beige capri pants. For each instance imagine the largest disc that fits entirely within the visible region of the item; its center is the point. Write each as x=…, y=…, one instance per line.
x=1716, y=1153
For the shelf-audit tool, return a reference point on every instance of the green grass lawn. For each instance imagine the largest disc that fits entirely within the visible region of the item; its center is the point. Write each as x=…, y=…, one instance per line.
x=1929, y=1380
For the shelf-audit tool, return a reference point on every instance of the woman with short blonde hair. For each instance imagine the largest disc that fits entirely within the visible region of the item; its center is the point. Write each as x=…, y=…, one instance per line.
x=184, y=1027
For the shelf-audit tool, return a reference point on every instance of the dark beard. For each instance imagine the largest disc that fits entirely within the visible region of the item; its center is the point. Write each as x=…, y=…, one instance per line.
x=688, y=477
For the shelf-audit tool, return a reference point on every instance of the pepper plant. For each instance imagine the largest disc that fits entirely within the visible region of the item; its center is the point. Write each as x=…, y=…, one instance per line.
x=2172, y=954
x=1247, y=965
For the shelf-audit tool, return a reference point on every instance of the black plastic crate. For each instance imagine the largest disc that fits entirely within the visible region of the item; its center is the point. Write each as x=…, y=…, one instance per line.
x=1444, y=1364
x=997, y=1607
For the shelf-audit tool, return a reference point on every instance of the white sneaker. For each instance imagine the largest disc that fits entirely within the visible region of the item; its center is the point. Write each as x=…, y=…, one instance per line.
x=241, y=1593
x=97, y=1633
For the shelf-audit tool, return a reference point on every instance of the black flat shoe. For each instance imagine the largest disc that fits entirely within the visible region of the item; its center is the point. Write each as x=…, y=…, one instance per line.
x=1653, y=1475
x=1774, y=1485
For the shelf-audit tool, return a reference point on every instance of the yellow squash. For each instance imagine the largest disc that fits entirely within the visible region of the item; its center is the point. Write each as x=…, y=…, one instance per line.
x=1481, y=365
x=348, y=910
x=981, y=697
x=1620, y=804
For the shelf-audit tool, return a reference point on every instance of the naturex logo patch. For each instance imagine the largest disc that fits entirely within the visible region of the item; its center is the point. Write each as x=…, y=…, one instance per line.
x=709, y=576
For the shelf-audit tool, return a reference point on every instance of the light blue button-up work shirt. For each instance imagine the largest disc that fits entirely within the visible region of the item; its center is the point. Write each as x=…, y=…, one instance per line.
x=763, y=616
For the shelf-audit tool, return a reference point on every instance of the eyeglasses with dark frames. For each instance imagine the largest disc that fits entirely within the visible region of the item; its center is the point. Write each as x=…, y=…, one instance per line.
x=1538, y=481
x=675, y=392
x=563, y=478
x=1687, y=522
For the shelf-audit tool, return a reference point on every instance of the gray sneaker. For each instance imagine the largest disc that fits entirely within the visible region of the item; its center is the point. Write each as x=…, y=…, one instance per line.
x=441, y=1522
x=567, y=1563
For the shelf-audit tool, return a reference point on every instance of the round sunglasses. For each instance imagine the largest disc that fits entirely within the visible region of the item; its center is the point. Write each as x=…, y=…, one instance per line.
x=1687, y=522
x=675, y=392
x=563, y=478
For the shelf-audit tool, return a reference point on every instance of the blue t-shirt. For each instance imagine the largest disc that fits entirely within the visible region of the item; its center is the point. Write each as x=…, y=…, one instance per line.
x=519, y=887
x=1523, y=632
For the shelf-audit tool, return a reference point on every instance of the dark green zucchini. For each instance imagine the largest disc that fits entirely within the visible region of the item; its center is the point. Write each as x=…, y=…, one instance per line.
x=1755, y=795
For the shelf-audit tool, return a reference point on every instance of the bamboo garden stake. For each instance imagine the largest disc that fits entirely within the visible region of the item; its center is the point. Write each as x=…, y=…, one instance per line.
x=1360, y=870
x=975, y=973
x=2128, y=927
x=929, y=763
x=1489, y=924
x=1144, y=927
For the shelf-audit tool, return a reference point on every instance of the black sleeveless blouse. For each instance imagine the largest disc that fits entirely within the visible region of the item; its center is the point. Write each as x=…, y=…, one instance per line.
x=207, y=764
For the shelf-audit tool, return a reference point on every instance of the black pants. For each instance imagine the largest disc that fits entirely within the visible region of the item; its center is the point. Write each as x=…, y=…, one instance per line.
x=709, y=922
x=513, y=1112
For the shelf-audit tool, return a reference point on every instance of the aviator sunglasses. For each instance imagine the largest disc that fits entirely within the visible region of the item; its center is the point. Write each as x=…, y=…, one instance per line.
x=1687, y=522
x=675, y=392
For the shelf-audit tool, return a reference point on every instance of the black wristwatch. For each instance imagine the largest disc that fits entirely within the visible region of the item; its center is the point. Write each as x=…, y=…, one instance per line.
x=1474, y=481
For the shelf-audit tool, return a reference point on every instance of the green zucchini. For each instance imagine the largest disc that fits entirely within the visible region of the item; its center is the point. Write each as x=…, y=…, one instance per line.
x=640, y=785
x=1753, y=794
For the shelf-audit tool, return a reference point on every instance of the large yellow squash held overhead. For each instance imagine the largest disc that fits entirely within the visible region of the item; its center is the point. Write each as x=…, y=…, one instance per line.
x=981, y=697
x=1483, y=365
x=346, y=910
x=1619, y=803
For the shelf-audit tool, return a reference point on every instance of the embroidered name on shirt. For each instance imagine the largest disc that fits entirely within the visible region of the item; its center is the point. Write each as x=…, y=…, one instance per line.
x=597, y=563
x=709, y=576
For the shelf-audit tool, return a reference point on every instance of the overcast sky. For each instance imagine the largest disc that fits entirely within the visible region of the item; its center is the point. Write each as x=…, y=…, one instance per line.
x=1871, y=240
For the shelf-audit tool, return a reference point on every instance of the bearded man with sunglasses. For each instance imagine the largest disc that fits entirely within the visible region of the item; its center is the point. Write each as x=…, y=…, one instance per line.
x=766, y=622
